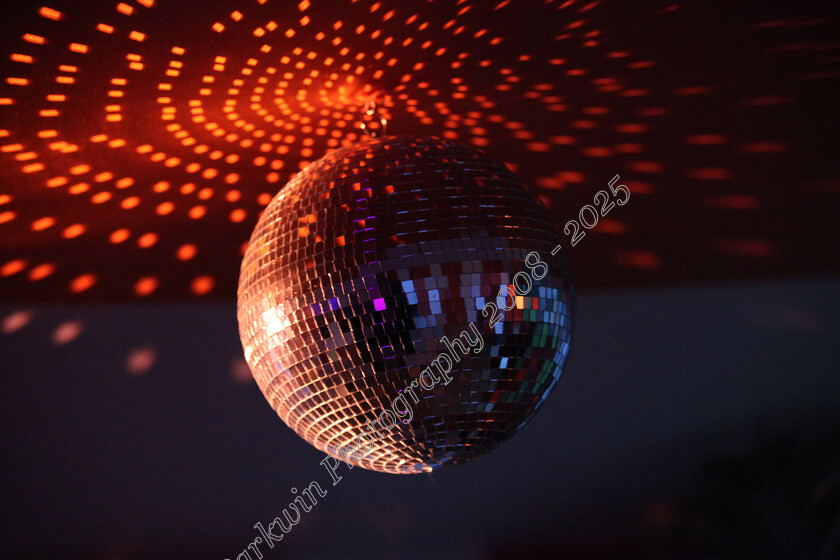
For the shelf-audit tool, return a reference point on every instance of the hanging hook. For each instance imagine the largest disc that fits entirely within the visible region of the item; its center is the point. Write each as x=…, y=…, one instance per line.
x=371, y=109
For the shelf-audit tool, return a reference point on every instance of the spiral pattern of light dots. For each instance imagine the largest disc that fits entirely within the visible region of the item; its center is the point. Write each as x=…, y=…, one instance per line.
x=140, y=140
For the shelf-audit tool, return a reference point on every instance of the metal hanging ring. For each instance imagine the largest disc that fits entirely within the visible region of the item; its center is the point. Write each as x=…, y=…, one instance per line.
x=370, y=110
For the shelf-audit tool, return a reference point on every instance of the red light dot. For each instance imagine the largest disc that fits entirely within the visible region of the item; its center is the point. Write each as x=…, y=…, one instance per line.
x=611, y=227
x=709, y=174
x=140, y=360
x=67, y=332
x=735, y=202
x=639, y=259
x=16, y=321
x=646, y=167
x=746, y=247
x=202, y=285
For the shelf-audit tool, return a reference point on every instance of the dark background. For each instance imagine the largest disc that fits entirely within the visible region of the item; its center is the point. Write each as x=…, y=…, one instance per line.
x=698, y=415
x=689, y=423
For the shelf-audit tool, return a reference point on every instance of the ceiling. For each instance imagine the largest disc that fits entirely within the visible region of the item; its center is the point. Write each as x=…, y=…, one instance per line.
x=139, y=141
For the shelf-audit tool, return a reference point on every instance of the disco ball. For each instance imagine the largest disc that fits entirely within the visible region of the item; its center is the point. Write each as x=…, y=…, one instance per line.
x=400, y=306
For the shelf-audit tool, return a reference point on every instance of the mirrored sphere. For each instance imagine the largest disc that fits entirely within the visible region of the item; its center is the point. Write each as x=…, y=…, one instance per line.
x=400, y=307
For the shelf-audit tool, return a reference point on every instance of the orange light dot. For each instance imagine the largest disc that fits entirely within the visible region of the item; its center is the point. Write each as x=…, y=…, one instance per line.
x=82, y=283
x=146, y=286
x=197, y=212
x=238, y=215
x=99, y=198
x=49, y=13
x=119, y=236
x=165, y=208
x=41, y=271
x=33, y=168
x=147, y=240
x=202, y=285
x=43, y=223
x=74, y=231
x=36, y=39
x=56, y=182
x=12, y=267
x=130, y=202
x=7, y=216
x=186, y=252
x=26, y=156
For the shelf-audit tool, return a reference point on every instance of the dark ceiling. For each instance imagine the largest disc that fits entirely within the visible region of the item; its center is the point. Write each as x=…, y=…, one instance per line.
x=139, y=141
